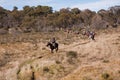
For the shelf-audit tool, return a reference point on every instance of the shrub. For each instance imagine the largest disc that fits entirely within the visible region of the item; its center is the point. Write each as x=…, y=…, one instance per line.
x=86, y=78
x=72, y=54
x=58, y=62
x=105, y=76
x=46, y=69
x=119, y=71
x=105, y=61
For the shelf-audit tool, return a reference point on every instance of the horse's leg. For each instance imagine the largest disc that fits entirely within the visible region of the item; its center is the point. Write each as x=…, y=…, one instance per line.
x=93, y=37
x=51, y=50
x=89, y=37
x=56, y=49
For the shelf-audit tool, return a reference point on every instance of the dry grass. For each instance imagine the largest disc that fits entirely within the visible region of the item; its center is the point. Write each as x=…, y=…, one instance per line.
x=77, y=58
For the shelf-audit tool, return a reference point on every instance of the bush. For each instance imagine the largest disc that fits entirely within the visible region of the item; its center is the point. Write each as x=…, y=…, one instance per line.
x=105, y=61
x=46, y=69
x=72, y=54
x=105, y=76
x=86, y=78
x=58, y=62
x=119, y=71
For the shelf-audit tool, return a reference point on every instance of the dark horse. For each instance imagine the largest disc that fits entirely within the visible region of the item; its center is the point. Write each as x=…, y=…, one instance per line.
x=52, y=46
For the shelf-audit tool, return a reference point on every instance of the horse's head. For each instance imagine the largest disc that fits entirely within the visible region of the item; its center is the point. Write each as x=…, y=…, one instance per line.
x=48, y=44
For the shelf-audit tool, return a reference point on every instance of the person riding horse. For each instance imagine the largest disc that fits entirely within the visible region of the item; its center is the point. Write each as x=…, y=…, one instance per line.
x=90, y=34
x=53, y=44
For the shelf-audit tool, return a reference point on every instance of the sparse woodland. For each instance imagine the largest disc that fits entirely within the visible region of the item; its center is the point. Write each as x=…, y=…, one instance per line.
x=43, y=18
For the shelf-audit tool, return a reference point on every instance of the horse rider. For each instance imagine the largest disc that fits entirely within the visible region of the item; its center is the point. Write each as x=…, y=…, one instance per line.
x=53, y=41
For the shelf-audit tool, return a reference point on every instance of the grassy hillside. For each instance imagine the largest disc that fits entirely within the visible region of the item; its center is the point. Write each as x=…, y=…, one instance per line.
x=26, y=56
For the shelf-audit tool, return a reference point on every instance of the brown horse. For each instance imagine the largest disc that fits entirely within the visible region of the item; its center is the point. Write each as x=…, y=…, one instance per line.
x=53, y=46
